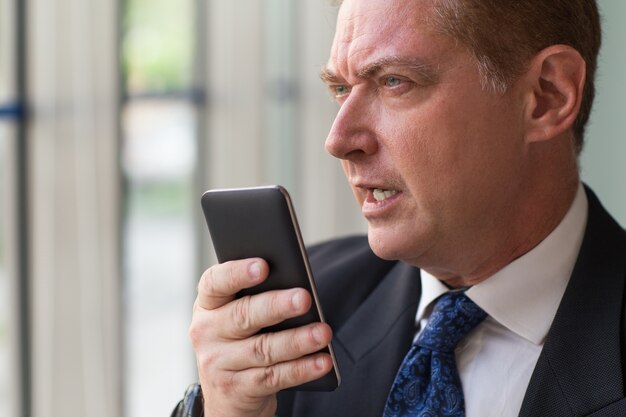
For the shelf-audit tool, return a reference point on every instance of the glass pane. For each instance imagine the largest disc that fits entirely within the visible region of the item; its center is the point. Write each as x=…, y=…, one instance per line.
x=158, y=160
x=157, y=45
x=281, y=100
x=158, y=157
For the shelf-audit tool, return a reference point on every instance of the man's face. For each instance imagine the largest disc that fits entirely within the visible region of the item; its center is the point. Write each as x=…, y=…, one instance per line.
x=435, y=161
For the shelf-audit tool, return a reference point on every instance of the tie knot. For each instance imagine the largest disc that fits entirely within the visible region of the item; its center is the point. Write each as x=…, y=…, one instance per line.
x=453, y=317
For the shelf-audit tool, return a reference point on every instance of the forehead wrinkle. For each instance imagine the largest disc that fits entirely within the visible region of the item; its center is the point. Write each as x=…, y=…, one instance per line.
x=352, y=47
x=337, y=69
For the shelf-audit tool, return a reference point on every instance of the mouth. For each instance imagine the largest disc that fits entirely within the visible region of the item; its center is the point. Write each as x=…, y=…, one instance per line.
x=378, y=201
x=375, y=195
x=380, y=194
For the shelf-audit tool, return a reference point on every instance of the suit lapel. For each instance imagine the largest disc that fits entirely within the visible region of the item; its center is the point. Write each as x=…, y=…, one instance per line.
x=579, y=368
x=369, y=347
x=394, y=303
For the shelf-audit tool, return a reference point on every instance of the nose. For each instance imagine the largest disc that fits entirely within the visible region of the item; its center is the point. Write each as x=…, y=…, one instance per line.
x=352, y=134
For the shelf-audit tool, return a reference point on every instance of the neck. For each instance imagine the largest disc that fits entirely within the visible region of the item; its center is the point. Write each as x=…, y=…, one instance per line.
x=542, y=204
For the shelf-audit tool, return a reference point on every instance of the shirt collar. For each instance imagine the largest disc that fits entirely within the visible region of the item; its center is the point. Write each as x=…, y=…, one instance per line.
x=525, y=295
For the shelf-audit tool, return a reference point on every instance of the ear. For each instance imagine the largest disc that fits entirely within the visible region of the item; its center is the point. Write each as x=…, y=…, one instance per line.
x=555, y=81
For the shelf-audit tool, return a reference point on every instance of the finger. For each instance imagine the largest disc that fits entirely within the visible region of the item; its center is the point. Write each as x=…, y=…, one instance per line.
x=268, y=349
x=244, y=317
x=269, y=380
x=219, y=284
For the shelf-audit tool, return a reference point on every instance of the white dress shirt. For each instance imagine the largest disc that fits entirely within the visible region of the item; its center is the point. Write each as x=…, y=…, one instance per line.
x=496, y=360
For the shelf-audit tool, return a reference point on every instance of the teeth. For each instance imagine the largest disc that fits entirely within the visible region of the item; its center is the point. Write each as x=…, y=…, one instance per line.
x=382, y=195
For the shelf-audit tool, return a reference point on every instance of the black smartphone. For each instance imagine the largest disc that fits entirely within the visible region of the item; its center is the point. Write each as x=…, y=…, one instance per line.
x=261, y=222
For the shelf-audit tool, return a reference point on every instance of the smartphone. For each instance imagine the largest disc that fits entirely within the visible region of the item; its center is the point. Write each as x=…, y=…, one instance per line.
x=261, y=222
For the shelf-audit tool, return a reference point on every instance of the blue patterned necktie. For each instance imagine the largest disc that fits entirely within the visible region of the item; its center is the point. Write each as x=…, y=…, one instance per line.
x=428, y=383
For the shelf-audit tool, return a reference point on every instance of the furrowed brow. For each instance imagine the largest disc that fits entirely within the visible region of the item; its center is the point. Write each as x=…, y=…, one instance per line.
x=424, y=71
x=328, y=76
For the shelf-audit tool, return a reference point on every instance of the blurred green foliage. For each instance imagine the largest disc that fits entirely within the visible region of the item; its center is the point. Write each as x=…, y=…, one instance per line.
x=172, y=198
x=157, y=45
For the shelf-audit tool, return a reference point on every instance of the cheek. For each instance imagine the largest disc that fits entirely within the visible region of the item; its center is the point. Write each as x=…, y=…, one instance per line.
x=439, y=157
x=420, y=150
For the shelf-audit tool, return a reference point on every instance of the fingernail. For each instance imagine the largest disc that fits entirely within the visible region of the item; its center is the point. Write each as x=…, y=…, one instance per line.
x=296, y=301
x=317, y=335
x=320, y=362
x=255, y=271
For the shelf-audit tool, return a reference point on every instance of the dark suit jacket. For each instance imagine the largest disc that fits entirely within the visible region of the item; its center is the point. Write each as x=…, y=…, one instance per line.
x=371, y=305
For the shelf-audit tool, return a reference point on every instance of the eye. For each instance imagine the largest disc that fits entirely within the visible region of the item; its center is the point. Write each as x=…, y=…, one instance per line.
x=392, y=81
x=340, y=90
x=394, y=85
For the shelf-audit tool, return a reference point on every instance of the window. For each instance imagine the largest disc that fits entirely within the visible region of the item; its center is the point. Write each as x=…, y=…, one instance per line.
x=159, y=130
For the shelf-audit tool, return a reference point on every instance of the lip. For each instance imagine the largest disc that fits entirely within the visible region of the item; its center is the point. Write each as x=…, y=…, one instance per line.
x=372, y=208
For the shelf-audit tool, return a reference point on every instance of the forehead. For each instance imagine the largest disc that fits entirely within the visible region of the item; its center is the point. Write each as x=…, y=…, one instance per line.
x=371, y=29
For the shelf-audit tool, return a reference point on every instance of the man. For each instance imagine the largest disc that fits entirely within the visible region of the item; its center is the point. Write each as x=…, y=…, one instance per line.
x=459, y=128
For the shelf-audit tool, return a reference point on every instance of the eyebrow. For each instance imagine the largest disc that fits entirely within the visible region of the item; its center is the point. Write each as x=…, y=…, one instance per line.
x=426, y=72
x=328, y=76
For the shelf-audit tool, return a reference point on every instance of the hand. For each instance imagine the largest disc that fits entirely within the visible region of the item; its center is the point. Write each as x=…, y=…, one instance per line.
x=241, y=371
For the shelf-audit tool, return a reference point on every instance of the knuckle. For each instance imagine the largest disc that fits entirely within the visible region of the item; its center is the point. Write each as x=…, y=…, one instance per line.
x=277, y=306
x=200, y=333
x=204, y=328
x=224, y=383
x=263, y=349
x=276, y=377
x=227, y=385
x=233, y=273
x=241, y=314
x=296, y=342
x=299, y=371
x=271, y=377
x=195, y=334
x=207, y=360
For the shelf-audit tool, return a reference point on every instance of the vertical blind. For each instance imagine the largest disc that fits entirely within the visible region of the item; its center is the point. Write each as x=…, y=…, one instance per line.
x=72, y=79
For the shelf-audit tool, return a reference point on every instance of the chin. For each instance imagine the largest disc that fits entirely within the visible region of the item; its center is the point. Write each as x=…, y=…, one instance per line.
x=412, y=248
x=387, y=247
